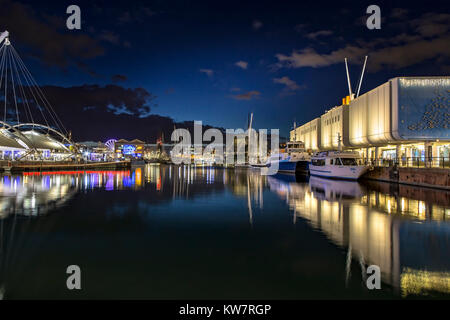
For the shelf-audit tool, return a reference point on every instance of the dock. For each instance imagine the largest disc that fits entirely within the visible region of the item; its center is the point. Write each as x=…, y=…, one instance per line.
x=423, y=177
x=21, y=166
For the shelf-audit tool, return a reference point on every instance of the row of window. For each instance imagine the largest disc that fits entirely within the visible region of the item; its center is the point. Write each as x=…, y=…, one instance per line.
x=333, y=120
x=313, y=128
x=336, y=162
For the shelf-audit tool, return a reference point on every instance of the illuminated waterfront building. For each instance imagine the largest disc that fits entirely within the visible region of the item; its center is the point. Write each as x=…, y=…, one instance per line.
x=18, y=144
x=96, y=151
x=404, y=118
x=129, y=149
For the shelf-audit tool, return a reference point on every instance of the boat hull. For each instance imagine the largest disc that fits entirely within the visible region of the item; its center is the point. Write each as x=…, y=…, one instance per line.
x=287, y=166
x=294, y=167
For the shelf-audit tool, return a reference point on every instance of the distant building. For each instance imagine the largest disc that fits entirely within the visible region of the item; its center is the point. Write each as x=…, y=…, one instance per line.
x=15, y=144
x=406, y=117
x=95, y=151
x=124, y=149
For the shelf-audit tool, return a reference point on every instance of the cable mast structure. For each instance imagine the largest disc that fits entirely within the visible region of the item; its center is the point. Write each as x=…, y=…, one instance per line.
x=25, y=111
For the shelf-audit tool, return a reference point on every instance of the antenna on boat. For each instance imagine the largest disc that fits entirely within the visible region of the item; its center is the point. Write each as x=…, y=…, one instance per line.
x=348, y=80
x=295, y=131
x=339, y=142
x=361, y=78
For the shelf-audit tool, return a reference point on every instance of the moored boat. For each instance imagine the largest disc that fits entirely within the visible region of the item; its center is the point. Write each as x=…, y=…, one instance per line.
x=294, y=160
x=337, y=164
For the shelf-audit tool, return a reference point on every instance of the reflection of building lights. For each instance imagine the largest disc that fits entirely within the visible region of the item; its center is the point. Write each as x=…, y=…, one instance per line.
x=138, y=177
x=418, y=282
x=33, y=201
x=422, y=209
x=158, y=183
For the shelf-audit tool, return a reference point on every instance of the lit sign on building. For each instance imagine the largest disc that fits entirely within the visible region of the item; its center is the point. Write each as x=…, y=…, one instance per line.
x=129, y=149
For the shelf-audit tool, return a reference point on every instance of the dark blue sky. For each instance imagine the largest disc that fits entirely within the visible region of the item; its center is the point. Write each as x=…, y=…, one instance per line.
x=187, y=52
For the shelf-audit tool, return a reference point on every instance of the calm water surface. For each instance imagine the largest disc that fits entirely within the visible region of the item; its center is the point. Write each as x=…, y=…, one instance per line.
x=166, y=232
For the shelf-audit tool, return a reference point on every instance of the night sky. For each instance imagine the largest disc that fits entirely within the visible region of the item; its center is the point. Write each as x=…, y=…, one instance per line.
x=136, y=64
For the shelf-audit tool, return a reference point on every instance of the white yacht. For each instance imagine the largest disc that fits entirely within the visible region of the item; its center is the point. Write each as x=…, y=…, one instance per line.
x=337, y=164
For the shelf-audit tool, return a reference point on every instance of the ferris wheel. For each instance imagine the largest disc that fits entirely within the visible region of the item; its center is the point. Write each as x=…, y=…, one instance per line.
x=110, y=144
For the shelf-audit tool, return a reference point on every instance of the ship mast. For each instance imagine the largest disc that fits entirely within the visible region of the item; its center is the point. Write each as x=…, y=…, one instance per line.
x=361, y=78
x=348, y=80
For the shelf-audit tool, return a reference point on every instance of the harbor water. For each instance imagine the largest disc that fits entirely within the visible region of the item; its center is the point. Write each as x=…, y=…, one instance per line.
x=180, y=232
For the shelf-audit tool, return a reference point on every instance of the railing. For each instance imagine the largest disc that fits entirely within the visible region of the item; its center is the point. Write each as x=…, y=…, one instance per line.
x=52, y=162
x=410, y=162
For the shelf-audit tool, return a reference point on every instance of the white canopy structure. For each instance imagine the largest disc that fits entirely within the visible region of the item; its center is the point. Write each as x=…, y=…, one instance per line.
x=28, y=123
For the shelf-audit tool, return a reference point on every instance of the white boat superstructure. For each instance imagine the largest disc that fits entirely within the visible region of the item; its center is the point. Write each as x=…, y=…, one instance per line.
x=289, y=160
x=295, y=151
x=337, y=164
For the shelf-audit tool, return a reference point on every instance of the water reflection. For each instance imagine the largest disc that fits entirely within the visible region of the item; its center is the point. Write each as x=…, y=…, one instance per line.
x=404, y=230
x=35, y=193
x=408, y=238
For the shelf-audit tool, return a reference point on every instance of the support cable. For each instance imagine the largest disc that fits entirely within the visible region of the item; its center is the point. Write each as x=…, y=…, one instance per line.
x=2, y=50
x=30, y=86
x=24, y=96
x=47, y=104
x=2, y=66
x=6, y=88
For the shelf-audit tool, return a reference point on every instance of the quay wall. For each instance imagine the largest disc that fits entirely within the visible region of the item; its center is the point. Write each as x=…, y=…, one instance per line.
x=411, y=192
x=8, y=166
x=424, y=177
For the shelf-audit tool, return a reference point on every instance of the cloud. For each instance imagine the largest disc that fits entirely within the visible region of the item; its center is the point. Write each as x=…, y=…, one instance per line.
x=309, y=57
x=242, y=64
x=235, y=89
x=247, y=96
x=300, y=27
x=208, y=72
x=399, y=13
x=95, y=112
x=43, y=39
x=110, y=37
x=110, y=98
x=314, y=35
x=136, y=15
x=431, y=24
x=291, y=85
x=125, y=17
x=256, y=25
x=409, y=54
x=118, y=78
x=117, y=110
x=427, y=37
